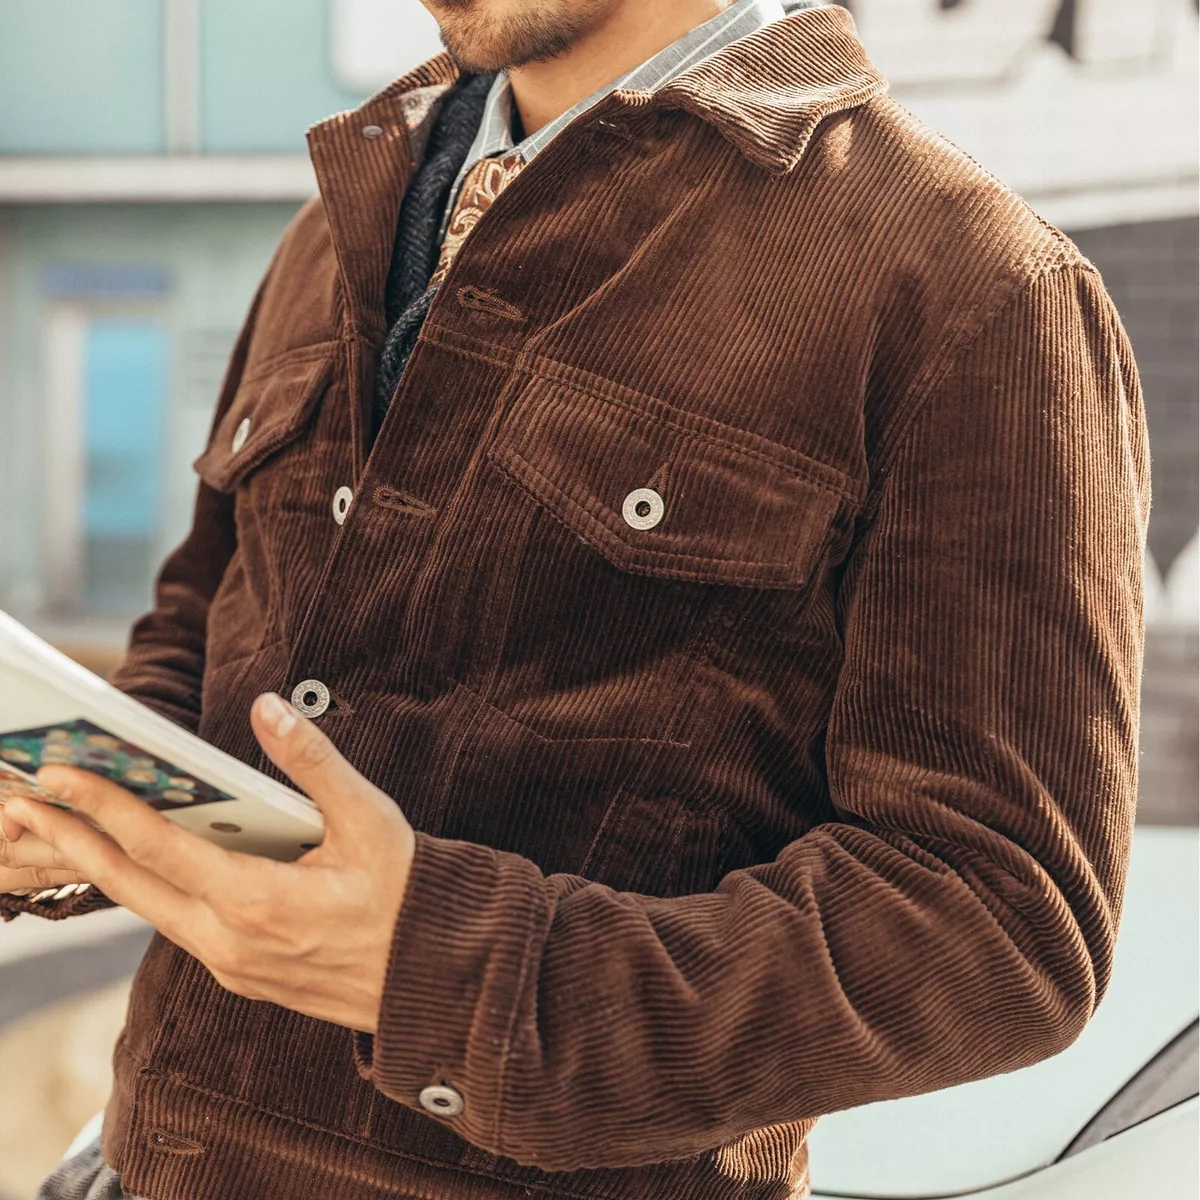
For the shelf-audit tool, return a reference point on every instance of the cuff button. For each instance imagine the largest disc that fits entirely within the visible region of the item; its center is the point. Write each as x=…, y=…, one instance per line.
x=241, y=433
x=440, y=1100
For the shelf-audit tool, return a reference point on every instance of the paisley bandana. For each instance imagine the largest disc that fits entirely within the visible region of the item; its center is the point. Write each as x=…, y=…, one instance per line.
x=482, y=184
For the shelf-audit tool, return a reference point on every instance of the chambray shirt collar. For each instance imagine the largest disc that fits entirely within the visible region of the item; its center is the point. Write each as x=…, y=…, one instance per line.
x=495, y=128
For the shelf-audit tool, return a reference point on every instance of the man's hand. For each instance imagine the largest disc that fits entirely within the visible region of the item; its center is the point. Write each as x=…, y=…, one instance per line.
x=30, y=866
x=313, y=935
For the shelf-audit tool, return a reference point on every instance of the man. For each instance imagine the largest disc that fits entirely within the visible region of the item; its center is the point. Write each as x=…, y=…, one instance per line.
x=705, y=593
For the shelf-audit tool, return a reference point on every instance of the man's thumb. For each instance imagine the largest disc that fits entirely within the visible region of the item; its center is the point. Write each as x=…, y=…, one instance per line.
x=298, y=748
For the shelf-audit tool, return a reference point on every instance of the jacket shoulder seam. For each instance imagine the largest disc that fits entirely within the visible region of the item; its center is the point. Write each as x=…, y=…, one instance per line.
x=955, y=348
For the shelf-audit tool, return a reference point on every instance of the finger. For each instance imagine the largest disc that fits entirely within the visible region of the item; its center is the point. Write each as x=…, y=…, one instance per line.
x=102, y=862
x=29, y=852
x=9, y=829
x=28, y=881
x=184, y=859
x=353, y=806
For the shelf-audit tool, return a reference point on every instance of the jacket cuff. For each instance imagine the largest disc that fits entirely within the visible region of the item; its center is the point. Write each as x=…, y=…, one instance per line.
x=55, y=904
x=463, y=950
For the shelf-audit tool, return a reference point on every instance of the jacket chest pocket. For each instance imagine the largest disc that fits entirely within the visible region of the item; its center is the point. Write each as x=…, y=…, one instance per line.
x=277, y=450
x=270, y=410
x=647, y=525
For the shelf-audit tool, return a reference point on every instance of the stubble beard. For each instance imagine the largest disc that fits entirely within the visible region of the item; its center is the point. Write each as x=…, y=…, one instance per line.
x=481, y=40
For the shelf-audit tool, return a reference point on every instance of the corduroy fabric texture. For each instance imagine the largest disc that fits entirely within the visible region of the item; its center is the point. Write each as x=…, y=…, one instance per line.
x=415, y=252
x=818, y=792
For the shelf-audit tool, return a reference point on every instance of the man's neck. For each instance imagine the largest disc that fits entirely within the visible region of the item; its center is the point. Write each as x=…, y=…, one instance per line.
x=628, y=35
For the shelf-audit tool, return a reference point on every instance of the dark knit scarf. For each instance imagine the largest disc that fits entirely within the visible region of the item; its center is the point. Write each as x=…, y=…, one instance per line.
x=415, y=252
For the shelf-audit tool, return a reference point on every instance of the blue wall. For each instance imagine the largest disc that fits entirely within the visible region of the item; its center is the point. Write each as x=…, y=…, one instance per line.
x=267, y=74
x=81, y=77
x=87, y=76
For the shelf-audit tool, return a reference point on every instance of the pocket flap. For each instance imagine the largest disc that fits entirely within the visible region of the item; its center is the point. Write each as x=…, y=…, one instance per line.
x=268, y=411
x=736, y=508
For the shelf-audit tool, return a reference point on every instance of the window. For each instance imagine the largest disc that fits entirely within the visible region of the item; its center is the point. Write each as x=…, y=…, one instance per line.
x=106, y=414
x=124, y=399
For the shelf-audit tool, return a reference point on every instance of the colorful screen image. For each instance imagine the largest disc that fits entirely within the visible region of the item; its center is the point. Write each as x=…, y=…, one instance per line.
x=81, y=744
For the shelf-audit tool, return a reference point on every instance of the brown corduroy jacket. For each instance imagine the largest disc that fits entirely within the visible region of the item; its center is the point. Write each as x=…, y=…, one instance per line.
x=817, y=791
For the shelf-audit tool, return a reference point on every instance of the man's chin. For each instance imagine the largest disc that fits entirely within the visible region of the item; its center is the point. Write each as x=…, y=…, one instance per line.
x=482, y=44
x=473, y=55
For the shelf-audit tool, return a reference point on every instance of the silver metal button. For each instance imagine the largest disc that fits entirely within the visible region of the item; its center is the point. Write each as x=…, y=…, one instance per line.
x=643, y=508
x=341, y=504
x=442, y=1100
x=310, y=698
x=372, y=131
x=241, y=433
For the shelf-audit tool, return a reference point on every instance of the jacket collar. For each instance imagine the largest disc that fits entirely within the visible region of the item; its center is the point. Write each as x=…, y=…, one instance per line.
x=766, y=93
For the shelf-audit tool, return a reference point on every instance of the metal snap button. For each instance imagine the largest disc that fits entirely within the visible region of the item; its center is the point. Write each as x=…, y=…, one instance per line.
x=643, y=508
x=341, y=504
x=441, y=1100
x=241, y=433
x=310, y=698
x=372, y=131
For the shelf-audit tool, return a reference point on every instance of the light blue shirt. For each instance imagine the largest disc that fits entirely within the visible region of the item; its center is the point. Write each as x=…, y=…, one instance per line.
x=495, y=128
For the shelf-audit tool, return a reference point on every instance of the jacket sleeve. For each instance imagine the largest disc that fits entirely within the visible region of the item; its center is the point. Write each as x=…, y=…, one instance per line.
x=958, y=919
x=164, y=664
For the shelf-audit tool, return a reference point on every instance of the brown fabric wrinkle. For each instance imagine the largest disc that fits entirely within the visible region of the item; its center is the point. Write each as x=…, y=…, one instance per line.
x=537, y=735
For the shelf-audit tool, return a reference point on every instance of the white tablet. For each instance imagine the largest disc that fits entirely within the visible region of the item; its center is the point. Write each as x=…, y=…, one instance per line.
x=54, y=711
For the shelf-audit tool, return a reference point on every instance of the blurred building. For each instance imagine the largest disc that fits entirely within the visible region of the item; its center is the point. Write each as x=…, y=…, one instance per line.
x=151, y=152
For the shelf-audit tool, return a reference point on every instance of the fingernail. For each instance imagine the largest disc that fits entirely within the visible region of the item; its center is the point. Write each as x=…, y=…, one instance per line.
x=279, y=717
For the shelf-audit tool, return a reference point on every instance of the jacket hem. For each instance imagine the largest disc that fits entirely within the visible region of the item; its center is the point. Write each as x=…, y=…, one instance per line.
x=173, y=1139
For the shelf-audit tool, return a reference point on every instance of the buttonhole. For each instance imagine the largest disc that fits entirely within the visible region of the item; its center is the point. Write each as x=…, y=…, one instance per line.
x=162, y=1142
x=389, y=497
x=485, y=300
x=660, y=481
x=617, y=130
